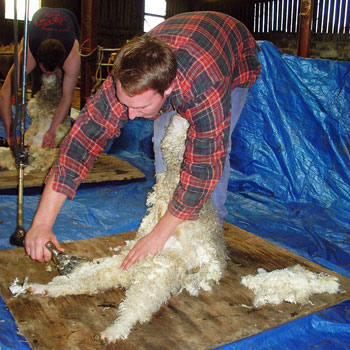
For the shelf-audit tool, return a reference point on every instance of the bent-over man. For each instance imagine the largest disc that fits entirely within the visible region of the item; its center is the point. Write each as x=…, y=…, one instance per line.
x=53, y=38
x=199, y=65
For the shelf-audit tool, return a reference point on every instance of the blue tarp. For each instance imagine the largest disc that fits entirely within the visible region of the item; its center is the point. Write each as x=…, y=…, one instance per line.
x=291, y=155
x=289, y=184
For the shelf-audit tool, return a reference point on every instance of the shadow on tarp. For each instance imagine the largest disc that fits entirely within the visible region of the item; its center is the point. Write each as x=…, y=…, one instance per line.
x=289, y=184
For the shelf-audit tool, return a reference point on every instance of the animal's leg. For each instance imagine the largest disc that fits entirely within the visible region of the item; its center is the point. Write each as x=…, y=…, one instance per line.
x=90, y=277
x=146, y=294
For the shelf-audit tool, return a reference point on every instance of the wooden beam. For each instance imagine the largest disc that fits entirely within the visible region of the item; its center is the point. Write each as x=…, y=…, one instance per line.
x=89, y=19
x=306, y=7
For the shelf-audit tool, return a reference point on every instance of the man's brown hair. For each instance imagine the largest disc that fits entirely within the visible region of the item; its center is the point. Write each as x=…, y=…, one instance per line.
x=51, y=53
x=145, y=63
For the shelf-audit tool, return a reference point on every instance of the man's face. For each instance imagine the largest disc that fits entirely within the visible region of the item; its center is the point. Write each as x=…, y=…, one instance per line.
x=145, y=105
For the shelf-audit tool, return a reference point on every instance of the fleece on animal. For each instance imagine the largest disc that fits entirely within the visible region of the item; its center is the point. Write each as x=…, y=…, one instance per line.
x=41, y=109
x=193, y=258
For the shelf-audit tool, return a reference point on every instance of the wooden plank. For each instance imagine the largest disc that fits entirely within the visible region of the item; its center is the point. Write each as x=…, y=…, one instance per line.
x=106, y=168
x=333, y=5
x=342, y=16
x=278, y=16
x=320, y=27
x=295, y=16
x=89, y=21
x=204, y=322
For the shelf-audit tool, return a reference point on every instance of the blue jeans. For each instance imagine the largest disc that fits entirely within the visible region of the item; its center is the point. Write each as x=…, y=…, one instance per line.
x=219, y=195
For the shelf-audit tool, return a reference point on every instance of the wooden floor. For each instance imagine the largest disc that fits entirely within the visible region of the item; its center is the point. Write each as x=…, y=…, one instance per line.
x=106, y=168
x=204, y=322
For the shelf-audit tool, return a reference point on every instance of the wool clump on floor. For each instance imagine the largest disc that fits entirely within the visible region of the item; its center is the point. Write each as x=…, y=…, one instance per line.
x=41, y=109
x=292, y=284
x=193, y=258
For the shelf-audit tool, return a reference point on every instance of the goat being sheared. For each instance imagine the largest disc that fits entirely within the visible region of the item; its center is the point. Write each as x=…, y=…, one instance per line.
x=193, y=258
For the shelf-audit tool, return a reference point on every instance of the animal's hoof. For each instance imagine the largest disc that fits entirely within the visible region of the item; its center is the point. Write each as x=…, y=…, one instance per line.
x=104, y=338
x=111, y=335
x=97, y=339
x=35, y=290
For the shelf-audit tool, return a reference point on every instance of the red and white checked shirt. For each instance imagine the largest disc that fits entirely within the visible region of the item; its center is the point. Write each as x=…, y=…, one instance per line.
x=215, y=54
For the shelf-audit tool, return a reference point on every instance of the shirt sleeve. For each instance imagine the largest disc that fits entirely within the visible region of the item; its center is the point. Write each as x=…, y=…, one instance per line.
x=99, y=121
x=247, y=68
x=205, y=151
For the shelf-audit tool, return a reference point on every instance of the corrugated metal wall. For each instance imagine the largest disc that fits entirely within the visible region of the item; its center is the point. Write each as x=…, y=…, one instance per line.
x=328, y=16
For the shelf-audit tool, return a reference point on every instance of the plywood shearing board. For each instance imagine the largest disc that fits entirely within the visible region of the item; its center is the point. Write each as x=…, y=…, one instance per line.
x=106, y=168
x=204, y=322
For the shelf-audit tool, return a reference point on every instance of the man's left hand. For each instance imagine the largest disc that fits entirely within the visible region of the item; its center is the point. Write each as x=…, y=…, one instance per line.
x=49, y=139
x=147, y=245
x=154, y=242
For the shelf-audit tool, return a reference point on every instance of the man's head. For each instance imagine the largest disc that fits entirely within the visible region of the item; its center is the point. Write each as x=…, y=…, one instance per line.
x=144, y=72
x=51, y=54
x=145, y=63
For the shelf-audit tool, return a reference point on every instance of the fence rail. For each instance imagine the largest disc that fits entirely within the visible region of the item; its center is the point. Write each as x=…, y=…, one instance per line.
x=328, y=16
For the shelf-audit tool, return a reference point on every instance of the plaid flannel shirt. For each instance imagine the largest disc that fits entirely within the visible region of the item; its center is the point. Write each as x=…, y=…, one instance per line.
x=215, y=54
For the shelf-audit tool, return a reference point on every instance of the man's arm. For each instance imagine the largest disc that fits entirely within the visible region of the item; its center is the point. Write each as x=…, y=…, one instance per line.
x=203, y=164
x=78, y=151
x=5, y=105
x=7, y=91
x=71, y=70
x=40, y=231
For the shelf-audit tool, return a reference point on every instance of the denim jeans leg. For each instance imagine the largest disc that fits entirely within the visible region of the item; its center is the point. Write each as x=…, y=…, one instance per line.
x=159, y=129
x=219, y=195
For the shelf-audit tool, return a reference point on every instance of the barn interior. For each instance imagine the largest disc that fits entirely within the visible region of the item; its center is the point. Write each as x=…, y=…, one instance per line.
x=289, y=178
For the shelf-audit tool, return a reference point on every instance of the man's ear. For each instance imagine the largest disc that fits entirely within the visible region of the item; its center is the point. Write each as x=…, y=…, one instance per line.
x=168, y=91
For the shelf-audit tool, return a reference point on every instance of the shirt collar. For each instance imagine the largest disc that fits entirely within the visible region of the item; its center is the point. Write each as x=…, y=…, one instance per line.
x=167, y=106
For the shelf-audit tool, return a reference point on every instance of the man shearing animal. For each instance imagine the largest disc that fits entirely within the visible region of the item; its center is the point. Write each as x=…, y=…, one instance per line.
x=53, y=36
x=199, y=64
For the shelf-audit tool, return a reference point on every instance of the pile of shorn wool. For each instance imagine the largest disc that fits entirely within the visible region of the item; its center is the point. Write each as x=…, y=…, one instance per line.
x=292, y=284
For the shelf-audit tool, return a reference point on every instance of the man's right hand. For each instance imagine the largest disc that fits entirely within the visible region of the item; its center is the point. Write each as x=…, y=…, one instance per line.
x=35, y=240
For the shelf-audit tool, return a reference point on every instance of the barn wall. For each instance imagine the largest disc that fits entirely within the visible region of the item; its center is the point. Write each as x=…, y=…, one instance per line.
x=328, y=46
x=120, y=20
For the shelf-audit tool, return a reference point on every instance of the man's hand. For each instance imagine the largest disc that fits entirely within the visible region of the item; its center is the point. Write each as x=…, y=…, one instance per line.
x=148, y=245
x=49, y=139
x=35, y=240
x=154, y=242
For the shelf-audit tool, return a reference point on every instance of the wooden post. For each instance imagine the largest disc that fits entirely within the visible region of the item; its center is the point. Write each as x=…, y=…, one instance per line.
x=306, y=7
x=89, y=16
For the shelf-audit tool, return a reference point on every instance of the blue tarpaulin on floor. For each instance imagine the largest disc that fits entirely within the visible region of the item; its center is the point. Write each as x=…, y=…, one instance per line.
x=289, y=184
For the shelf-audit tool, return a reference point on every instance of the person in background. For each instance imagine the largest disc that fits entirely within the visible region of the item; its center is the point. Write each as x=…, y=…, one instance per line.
x=199, y=65
x=53, y=48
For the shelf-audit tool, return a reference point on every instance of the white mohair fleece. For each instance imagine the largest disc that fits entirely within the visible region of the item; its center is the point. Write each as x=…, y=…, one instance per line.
x=292, y=284
x=41, y=109
x=17, y=288
x=193, y=258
